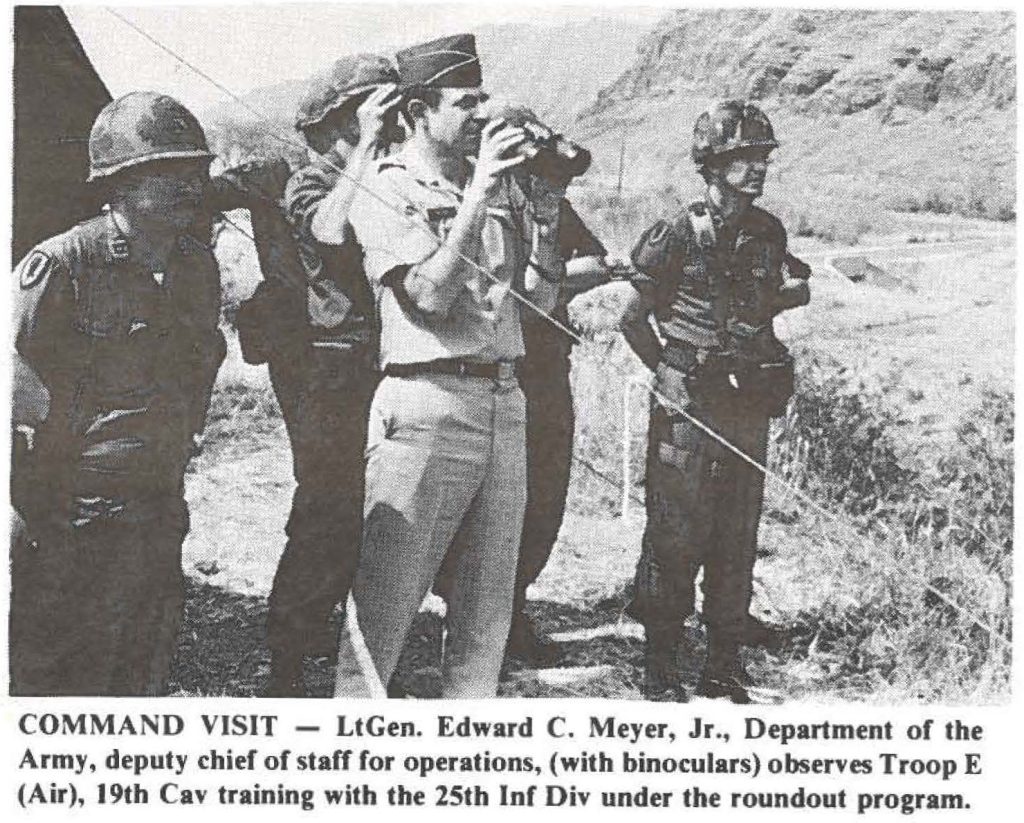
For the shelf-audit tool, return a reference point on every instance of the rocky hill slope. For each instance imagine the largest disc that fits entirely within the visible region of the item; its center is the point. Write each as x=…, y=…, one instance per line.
x=906, y=109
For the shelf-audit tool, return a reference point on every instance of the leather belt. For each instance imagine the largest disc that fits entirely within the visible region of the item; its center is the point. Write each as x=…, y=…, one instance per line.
x=502, y=370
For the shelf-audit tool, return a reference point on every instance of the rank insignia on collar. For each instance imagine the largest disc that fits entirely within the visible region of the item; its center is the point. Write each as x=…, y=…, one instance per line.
x=158, y=276
x=35, y=269
x=119, y=248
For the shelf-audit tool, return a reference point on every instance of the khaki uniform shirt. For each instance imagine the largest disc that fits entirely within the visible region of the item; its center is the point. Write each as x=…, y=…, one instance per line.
x=407, y=228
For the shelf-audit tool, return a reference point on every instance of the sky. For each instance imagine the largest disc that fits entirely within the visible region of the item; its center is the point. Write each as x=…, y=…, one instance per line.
x=246, y=46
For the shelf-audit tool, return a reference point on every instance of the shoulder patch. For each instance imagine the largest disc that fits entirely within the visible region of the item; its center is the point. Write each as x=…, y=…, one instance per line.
x=35, y=269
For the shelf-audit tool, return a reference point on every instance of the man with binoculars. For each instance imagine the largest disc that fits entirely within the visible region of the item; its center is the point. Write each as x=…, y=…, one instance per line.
x=448, y=234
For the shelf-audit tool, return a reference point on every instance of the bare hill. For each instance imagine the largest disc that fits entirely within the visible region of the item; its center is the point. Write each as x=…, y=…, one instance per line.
x=905, y=109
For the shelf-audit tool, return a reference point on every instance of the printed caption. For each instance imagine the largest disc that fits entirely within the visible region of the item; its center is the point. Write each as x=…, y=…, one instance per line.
x=742, y=760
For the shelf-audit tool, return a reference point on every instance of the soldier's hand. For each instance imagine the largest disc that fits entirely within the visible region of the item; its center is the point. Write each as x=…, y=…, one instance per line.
x=796, y=268
x=498, y=144
x=793, y=292
x=373, y=112
x=619, y=266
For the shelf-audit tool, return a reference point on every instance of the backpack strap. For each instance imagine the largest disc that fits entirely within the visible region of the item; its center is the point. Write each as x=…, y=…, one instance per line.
x=702, y=229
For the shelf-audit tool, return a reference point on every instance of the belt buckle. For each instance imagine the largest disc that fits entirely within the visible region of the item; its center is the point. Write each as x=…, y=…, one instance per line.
x=506, y=370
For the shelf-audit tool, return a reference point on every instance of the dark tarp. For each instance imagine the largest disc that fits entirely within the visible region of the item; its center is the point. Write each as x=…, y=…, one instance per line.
x=57, y=95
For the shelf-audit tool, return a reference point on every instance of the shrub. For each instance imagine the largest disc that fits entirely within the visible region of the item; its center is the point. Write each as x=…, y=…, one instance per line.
x=917, y=583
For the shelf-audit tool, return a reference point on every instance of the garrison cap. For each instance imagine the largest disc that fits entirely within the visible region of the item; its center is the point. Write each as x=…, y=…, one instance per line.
x=347, y=78
x=449, y=62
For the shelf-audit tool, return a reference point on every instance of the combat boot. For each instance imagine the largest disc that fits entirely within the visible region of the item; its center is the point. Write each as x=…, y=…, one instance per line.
x=723, y=674
x=661, y=670
x=757, y=632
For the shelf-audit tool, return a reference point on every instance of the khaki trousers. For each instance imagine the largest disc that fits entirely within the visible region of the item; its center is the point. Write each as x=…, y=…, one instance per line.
x=446, y=464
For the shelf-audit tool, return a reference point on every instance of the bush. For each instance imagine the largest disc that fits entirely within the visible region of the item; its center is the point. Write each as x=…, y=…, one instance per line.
x=913, y=606
x=852, y=457
x=239, y=410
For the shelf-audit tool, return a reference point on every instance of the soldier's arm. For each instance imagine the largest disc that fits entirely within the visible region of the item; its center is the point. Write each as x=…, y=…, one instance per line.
x=433, y=285
x=657, y=260
x=583, y=274
x=637, y=330
x=587, y=265
x=795, y=290
x=329, y=223
x=43, y=313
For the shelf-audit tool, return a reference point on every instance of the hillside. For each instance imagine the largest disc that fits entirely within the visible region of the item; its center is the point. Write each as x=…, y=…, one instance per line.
x=904, y=109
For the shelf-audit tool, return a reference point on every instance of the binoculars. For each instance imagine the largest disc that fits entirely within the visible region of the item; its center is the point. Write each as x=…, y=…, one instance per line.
x=548, y=154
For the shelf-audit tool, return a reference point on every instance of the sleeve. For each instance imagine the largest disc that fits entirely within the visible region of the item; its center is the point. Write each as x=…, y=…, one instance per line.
x=658, y=255
x=43, y=308
x=574, y=237
x=392, y=232
x=303, y=195
x=206, y=345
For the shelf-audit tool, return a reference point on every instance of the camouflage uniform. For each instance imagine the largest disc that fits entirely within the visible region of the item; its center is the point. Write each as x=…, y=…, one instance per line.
x=723, y=365
x=128, y=358
x=714, y=286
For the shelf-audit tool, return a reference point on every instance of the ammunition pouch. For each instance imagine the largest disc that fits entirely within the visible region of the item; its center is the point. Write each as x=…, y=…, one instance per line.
x=271, y=320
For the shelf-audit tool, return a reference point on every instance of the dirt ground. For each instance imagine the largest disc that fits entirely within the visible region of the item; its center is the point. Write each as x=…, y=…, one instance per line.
x=940, y=315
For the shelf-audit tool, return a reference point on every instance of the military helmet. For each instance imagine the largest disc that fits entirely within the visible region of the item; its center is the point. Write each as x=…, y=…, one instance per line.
x=347, y=78
x=140, y=127
x=728, y=126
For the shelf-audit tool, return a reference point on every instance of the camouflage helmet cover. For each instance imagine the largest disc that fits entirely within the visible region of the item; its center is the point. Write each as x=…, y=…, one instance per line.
x=140, y=127
x=728, y=126
x=347, y=78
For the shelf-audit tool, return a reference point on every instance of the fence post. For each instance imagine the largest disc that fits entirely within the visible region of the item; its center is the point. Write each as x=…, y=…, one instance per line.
x=626, y=394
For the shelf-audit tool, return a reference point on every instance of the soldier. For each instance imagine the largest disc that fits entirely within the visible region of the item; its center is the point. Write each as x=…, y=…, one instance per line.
x=311, y=321
x=713, y=279
x=117, y=345
x=446, y=453
x=551, y=422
